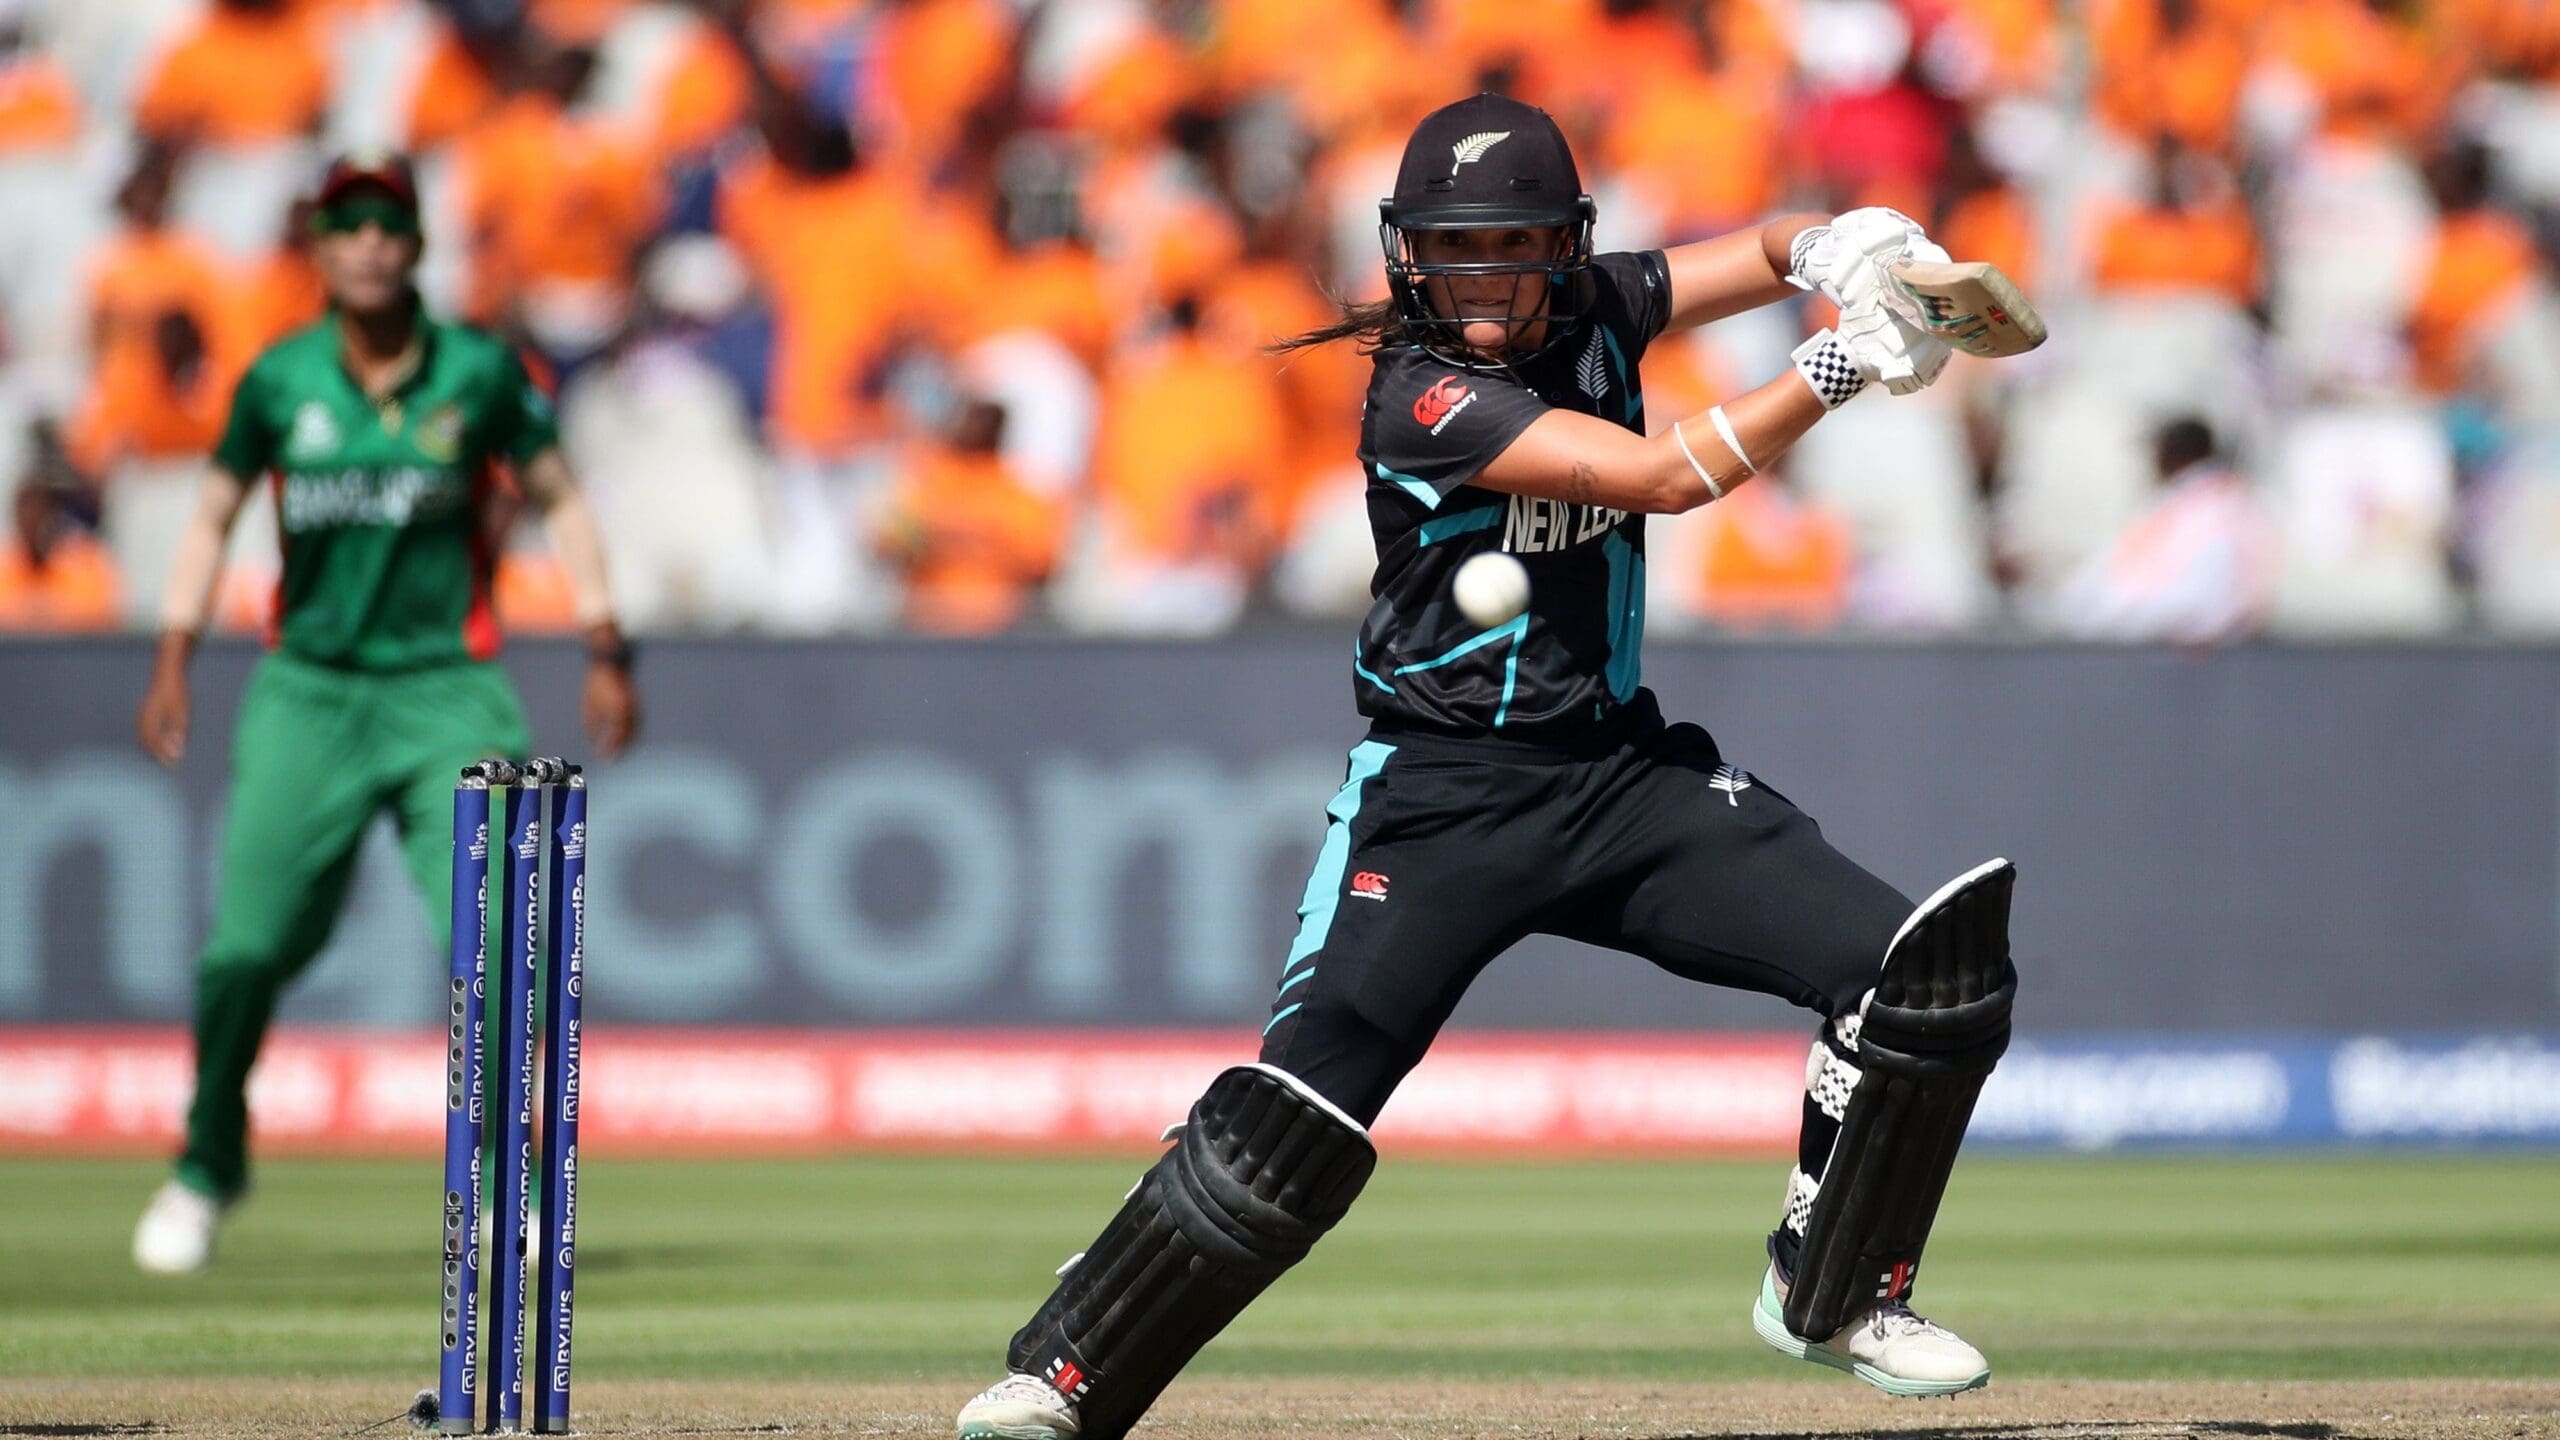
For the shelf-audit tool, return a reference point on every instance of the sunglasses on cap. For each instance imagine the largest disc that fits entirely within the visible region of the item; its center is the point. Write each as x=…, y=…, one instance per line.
x=351, y=213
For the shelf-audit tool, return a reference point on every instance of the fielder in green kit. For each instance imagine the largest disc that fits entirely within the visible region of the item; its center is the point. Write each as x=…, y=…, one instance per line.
x=383, y=429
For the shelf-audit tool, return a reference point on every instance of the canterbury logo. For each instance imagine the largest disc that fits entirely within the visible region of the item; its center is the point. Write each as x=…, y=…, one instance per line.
x=1732, y=782
x=1473, y=147
x=1434, y=405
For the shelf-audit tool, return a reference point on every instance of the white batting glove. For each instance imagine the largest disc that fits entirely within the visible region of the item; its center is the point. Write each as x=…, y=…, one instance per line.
x=1892, y=351
x=1845, y=259
x=1871, y=346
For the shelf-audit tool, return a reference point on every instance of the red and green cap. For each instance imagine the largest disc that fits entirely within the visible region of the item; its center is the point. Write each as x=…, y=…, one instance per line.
x=365, y=185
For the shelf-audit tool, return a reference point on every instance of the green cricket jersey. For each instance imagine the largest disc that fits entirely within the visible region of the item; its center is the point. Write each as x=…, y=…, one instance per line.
x=386, y=559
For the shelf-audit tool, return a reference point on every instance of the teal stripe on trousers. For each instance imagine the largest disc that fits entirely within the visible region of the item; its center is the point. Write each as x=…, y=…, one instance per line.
x=1324, y=883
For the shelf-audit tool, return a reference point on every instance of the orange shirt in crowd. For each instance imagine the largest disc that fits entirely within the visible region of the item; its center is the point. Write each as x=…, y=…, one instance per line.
x=238, y=79
x=830, y=252
x=1055, y=286
x=1682, y=377
x=705, y=95
x=1254, y=46
x=551, y=199
x=2483, y=261
x=2185, y=85
x=1609, y=57
x=2510, y=37
x=1998, y=224
x=1666, y=128
x=2020, y=43
x=132, y=408
x=281, y=294
x=533, y=593
x=75, y=589
x=974, y=544
x=2213, y=249
x=1126, y=99
x=576, y=22
x=39, y=109
x=952, y=268
x=942, y=59
x=453, y=95
x=1463, y=36
x=1320, y=387
x=1186, y=459
x=1768, y=559
x=2377, y=78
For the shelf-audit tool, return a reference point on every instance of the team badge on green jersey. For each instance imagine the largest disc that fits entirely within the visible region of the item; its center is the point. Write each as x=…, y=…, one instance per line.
x=315, y=433
x=439, y=436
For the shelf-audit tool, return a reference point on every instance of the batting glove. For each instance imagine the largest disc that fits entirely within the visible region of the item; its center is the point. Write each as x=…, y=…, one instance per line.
x=1845, y=259
x=1872, y=346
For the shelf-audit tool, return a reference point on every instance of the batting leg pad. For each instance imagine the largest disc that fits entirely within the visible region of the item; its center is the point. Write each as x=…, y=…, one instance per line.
x=1930, y=1034
x=1261, y=1170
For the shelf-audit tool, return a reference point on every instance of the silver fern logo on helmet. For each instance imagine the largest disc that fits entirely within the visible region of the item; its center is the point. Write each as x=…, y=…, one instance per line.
x=1473, y=147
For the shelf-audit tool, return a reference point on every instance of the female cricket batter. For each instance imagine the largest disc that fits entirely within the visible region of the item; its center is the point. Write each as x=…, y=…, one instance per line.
x=1517, y=780
x=381, y=425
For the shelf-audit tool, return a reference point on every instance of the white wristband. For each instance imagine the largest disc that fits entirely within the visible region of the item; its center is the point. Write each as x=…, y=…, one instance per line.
x=1732, y=442
x=1714, y=490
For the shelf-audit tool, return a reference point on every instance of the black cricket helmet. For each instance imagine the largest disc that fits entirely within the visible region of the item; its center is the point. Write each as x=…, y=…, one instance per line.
x=1487, y=162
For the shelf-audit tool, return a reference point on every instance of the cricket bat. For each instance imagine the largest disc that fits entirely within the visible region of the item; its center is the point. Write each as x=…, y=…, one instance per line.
x=1968, y=304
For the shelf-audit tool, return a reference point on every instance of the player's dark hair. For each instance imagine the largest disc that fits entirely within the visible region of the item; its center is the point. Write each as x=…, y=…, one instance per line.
x=1375, y=324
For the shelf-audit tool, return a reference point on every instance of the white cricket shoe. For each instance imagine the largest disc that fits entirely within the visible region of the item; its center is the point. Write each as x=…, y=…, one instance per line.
x=1019, y=1407
x=1890, y=1348
x=176, y=1233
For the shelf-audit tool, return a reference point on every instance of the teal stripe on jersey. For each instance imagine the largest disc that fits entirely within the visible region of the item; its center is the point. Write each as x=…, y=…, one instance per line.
x=1626, y=381
x=1513, y=630
x=1419, y=489
x=1626, y=616
x=1324, y=883
x=1464, y=522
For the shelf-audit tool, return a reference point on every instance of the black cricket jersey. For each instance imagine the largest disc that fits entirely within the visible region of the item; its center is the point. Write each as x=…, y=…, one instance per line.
x=1427, y=429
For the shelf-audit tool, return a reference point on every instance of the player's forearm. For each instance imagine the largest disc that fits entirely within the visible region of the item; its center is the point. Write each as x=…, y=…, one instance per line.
x=1565, y=455
x=1732, y=273
x=187, y=599
x=579, y=542
x=1758, y=427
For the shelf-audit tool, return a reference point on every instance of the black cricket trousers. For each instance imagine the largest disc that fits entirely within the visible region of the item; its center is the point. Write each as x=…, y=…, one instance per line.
x=1444, y=851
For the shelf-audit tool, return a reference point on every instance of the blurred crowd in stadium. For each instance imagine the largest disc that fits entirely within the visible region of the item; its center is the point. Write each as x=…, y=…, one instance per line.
x=946, y=315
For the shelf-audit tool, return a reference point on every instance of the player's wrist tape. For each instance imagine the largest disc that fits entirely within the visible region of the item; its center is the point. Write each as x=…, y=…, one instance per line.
x=1799, y=250
x=1714, y=490
x=1825, y=365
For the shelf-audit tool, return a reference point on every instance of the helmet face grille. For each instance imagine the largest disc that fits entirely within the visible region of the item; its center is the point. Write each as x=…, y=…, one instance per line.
x=1567, y=292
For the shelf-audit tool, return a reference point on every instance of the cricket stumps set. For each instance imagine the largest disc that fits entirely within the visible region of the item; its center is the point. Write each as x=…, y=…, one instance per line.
x=544, y=799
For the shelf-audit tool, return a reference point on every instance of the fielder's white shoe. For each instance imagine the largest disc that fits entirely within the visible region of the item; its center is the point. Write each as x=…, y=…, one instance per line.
x=176, y=1233
x=1890, y=1348
x=1019, y=1407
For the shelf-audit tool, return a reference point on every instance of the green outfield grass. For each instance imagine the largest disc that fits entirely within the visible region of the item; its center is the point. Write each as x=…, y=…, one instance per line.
x=917, y=1269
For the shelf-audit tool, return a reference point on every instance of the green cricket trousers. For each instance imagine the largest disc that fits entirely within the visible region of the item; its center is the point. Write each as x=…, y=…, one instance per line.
x=320, y=752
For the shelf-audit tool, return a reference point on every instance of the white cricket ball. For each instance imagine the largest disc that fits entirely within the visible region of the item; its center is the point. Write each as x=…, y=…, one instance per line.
x=1491, y=588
